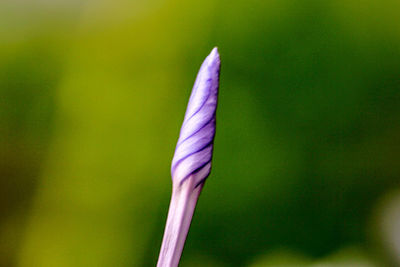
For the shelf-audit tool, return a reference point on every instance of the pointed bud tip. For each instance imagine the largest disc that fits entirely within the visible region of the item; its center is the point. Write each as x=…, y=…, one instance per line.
x=214, y=55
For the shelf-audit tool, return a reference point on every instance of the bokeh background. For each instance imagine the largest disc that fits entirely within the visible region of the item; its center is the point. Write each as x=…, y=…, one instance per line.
x=306, y=166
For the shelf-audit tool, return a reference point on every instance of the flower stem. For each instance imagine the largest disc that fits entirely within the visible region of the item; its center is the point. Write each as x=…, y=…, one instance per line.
x=180, y=213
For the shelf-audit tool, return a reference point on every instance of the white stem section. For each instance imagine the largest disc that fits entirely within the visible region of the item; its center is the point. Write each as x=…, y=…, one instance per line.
x=180, y=213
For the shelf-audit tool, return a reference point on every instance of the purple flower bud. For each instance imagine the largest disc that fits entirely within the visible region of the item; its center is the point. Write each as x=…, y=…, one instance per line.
x=193, y=152
x=191, y=164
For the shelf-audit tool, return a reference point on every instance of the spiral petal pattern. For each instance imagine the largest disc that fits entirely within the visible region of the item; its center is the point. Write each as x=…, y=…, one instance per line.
x=193, y=152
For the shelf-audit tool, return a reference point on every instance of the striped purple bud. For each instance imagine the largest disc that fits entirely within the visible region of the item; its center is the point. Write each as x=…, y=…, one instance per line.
x=193, y=152
x=191, y=164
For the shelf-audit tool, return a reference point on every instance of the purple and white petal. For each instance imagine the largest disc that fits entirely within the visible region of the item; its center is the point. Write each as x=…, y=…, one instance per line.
x=193, y=152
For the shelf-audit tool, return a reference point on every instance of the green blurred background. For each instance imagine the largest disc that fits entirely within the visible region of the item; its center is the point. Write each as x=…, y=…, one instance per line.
x=306, y=167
